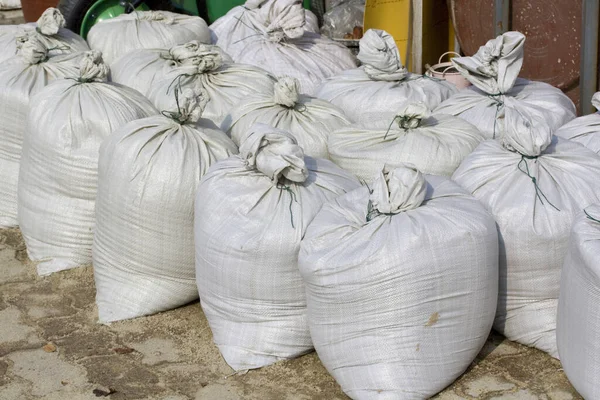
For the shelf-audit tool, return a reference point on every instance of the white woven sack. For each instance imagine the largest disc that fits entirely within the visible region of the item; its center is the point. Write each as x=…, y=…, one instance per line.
x=142, y=68
x=67, y=122
x=251, y=212
x=494, y=72
x=533, y=183
x=50, y=30
x=584, y=130
x=226, y=84
x=118, y=36
x=285, y=48
x=233, y=30
x=20, y=78
x=378, y=89
x=401, y=284
x=434, y=144
x=143, y=249
x=10, y=5
x=578, y=326
x=308, y=119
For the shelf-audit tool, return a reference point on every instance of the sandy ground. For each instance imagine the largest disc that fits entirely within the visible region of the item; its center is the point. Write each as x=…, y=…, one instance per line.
x=51, y=347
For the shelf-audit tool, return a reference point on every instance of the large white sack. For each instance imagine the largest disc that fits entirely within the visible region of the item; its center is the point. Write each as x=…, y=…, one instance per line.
x=143, y=249
x=584, y=130
x=284, y=48
x=118, y=36
x=578, y=327
x=142, y=68
x=308, y=119
x=50, y=29
x=67, y=122
x=233, y=30
x=21, y=77
x=251, y=212
x=401, y=284
x=10, y=5
x=533, y=183
x=226, y=84
x=494, y=71
x=382, y=84
x=435, y=144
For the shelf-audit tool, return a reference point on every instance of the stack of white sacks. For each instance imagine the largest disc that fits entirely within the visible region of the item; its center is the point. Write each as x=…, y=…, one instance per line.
x=193, y=169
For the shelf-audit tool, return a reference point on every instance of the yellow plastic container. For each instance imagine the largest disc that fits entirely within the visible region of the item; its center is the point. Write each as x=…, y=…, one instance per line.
x=421, y=28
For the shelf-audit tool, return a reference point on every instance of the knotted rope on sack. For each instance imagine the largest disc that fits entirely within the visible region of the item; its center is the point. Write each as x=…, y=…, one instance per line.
x=538, y=192
x=190, y=107
x=286, y=93
x=395, y=191
x=410, y=117
x=91, y=69
x=206, y=58
x=528, y=137
x=276, y=154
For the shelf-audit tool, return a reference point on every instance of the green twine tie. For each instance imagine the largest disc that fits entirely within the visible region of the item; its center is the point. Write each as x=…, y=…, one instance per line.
x=293, y=199
x=590, y=217
x=538, y=192
x=176, y=115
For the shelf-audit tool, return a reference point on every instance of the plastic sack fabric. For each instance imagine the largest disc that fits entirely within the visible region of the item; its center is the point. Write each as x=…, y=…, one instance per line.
x=232, y=31
x=309, y=120
x=533, y=183
x=143, y=68
x=118, y=36
x=578, y=326
x=494, y=71
x=284, y=48
x=21, y=77
x=401, y=284
x=382, y=85
x=584, y=130
x=434, y=144
x=67, y=122
x=226, y=84
x=342, y=19
x=50, y=30
x=251, y=213
x=149, y=170
x=10, y=5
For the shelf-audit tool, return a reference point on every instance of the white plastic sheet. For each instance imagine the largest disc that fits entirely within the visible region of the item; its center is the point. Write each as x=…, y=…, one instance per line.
x=252, y=210
x=308, y=119
x=67, y=123
x=379, y=88
x=434, y=144
x=578, y=327
x=533, y=183
x=20, y=78
x=494, y=71
x=584, y=130
x=148, y=173
x=118, y=36
x=401, y=285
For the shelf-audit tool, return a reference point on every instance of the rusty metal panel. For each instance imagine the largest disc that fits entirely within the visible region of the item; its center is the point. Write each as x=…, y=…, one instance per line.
x=553, y=30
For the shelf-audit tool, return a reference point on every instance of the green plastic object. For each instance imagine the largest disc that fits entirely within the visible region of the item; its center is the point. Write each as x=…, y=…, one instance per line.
x=218, y=8
x=101, y=10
